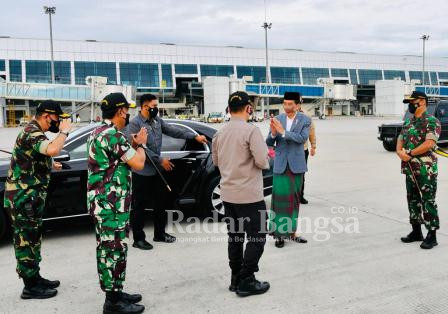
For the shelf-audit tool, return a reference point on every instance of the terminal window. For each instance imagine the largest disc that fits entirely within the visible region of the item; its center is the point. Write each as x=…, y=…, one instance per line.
x=353, y=77
x=285, y=75
x=186, y=69
x=443, y=75
x=434, y=80
x=139, y=74
x=310, y=75
x=216, y=70
x=2, y=65
x=391, y=74
x=339, y=72
x=167, y=74
x=258, y=73
x=417, y=75
x=84, y=69
x=39, y=71
x=15, y=70
x=366, y=76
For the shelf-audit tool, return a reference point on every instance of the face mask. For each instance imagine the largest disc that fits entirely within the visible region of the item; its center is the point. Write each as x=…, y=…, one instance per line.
x=126, y=120
x=54, y=126
x=412, y=108
x=153, y=112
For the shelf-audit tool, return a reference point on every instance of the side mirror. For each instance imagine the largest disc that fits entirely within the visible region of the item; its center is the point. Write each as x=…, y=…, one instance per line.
x=63, y=156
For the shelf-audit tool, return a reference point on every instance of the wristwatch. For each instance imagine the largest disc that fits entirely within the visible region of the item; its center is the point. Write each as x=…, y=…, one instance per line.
x=140, y=146
x=65, y=133
x=409, y=152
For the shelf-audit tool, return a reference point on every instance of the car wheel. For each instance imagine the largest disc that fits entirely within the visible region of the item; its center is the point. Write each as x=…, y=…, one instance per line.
x=389, y=146
x=212, y=201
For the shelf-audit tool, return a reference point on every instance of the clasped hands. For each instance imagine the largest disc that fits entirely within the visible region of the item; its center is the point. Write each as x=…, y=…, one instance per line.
x=276, y=127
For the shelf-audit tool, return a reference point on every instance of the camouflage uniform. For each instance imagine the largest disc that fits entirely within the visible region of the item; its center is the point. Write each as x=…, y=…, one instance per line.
x=108, y=200
x=25, y=194
x=415, y=131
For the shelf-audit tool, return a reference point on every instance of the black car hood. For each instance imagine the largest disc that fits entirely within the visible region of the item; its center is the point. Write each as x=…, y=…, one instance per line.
x=392, y=125
x=4, y=166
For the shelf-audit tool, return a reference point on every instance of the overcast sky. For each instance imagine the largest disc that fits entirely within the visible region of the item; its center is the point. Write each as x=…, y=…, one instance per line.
x=374, y=26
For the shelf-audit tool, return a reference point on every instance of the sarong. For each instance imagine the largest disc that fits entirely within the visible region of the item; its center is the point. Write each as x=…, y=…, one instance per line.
x=285, y=204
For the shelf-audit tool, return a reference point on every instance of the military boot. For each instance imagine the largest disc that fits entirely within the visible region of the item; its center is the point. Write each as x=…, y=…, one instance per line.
x=251, y=286
x=116, y=303
x=48, y=283
x=430, y=241
x=415, y=235
x=33, y=290
x=130, y=298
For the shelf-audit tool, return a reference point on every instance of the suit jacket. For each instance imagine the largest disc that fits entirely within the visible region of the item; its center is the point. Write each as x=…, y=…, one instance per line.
x=289, y=149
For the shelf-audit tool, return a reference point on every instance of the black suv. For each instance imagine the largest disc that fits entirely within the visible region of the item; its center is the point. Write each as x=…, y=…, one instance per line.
x=388, y=133
x=194, y=180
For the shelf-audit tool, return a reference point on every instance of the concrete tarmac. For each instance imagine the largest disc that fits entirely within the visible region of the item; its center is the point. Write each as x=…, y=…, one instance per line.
x=353, y=262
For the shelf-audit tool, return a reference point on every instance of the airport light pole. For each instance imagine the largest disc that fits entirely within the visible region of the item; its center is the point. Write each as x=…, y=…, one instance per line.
x=50, y=11
x=424, y=38
x=266, y=26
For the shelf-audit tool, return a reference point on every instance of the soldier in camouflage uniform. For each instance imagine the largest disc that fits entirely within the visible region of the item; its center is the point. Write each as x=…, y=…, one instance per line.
x=419, y=163
x=111, y=158
x=26, y=191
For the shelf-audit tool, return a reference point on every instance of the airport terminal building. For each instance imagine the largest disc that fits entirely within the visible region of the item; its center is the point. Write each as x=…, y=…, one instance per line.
x=176, y=73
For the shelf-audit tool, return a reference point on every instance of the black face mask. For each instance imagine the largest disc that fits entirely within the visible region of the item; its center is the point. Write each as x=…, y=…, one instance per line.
x=54, y=126
x=153, y=112
x=412, y=108
x=126, y=120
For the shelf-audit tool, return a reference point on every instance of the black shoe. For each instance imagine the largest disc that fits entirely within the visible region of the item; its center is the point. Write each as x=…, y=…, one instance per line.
x=430, y=241
x=142, y=245
x=122, y=307
x=48, y=283
x=299, y=240
x=279, y=243
x=303, y=201
x=415, y=235
x=38, y=292
x=234, y=282
x=251, y=286
x=165, y=238
x=130, y=298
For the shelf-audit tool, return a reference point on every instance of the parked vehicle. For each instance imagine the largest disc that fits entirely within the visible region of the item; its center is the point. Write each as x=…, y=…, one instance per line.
x=388, y=133
x=256, y=117
x=215, y=117
x=194, y=180
x=24, y=120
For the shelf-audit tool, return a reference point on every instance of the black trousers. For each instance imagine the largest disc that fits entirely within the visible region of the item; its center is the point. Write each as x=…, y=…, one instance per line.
x=148, y=192
x=253, y=217
x=307, y=153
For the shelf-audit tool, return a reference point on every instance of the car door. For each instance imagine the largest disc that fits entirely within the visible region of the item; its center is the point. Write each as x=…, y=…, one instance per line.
x=189, y=159
x=442, y=114
x=67, y=192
